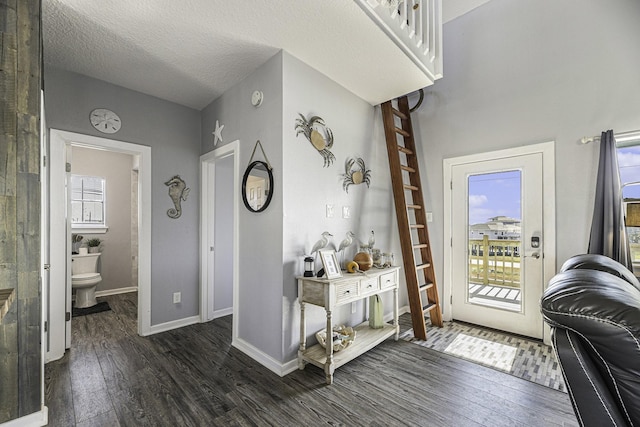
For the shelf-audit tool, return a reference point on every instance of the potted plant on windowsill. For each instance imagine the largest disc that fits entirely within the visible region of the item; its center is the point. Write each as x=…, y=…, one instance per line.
x=94, y=245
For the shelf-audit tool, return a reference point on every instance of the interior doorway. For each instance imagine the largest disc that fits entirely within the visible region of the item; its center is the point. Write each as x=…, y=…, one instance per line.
x=60, y=232
x=502, y=238
x=220, y=188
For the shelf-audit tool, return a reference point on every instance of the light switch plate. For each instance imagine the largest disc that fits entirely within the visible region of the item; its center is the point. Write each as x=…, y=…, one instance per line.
x=329, y=211
x=346, y=212
x=429, y=216
x=177, y=297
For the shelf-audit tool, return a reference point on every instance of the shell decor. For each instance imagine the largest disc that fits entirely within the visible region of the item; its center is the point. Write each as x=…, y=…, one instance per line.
x=178, y=191
x=319, y=135
x=355, y=176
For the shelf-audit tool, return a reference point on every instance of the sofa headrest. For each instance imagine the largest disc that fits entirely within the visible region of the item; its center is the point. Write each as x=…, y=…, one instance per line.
x=602, y=263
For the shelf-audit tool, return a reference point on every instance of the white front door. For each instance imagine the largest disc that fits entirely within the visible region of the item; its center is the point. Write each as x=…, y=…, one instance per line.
x=497, y=264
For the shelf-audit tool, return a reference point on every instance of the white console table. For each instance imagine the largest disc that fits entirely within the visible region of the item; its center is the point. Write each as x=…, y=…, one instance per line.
x=334, y=293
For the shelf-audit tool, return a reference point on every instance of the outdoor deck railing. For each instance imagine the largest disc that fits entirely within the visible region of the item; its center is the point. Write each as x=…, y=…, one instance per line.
x=495, y=262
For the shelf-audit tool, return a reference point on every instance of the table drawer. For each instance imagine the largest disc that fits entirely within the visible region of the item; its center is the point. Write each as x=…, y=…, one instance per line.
x=388, y=280
x=368, y=286
x=347, y=290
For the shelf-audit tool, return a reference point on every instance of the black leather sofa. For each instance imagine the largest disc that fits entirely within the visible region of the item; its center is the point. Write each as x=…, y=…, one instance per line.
x=593, y=308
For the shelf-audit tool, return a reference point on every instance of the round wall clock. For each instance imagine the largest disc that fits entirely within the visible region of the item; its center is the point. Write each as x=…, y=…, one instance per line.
x=106, y=121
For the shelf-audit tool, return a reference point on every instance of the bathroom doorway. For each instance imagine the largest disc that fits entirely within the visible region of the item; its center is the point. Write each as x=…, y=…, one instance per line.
x=220, y=186
x=70, y=153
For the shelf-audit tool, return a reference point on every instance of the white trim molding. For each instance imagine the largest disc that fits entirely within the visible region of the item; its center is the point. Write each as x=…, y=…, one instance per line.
x=264, y=359
x=37, y=419
x=207, y=162
x=117, y=291
x=59, y=141
x=174, y=324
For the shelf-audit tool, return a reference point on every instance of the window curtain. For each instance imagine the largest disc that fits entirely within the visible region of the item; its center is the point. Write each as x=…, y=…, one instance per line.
x=608, y=232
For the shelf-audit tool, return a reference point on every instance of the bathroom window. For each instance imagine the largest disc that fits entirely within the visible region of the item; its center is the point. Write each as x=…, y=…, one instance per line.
x=87, y=202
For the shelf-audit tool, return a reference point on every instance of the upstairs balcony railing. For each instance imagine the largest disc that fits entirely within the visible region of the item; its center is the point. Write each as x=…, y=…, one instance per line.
x=415, y=26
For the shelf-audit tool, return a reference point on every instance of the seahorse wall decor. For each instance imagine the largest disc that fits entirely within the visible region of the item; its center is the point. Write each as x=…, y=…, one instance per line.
x=178, y=191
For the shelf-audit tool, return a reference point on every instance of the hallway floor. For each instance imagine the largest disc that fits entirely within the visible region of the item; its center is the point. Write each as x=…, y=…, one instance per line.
x=193, y=377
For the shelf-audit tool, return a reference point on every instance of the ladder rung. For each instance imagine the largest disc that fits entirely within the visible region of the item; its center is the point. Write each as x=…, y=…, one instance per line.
x=404, y=150
x=420, y=246
x=423, y=266
x=411, y=187
x=403, y=132
x=416, y=207
x=416, y=226
x=426, y=287
x=407, y=168
x=427, y=308
x=399, y=114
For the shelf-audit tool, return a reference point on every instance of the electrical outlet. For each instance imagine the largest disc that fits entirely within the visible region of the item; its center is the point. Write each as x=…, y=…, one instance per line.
x=353, y=307
x=329, y=211
x=346, y=212
x=429, y=216
x=177, y=297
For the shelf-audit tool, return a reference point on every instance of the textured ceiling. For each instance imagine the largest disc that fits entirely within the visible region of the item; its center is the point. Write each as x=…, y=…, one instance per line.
x=192, y=51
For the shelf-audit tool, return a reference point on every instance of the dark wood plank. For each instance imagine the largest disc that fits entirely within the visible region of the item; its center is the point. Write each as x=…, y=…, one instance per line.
x=193, y=377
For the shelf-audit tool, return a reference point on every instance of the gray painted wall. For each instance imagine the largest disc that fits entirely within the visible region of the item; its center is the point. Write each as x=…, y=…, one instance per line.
x=272, y=243
x=309, y=187
x=173, y=133
x=115, y=168
x=260, y=239
x=517, y=73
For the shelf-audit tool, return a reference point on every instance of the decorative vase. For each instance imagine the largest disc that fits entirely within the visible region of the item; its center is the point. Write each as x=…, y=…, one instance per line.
x=94, y=249
x=83, y=251
x=364, y=260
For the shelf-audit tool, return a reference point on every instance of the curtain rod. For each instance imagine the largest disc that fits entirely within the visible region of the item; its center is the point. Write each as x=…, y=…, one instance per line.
x=620, y=137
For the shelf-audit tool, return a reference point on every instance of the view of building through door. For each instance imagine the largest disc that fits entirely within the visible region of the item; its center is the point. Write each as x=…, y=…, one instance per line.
x=497, y=219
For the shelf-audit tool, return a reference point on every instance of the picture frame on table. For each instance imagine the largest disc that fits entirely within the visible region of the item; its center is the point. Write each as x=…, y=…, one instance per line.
x=330, y=264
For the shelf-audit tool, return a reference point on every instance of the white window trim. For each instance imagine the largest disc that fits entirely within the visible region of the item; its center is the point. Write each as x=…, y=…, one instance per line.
x=91, y=229
x=94, y=228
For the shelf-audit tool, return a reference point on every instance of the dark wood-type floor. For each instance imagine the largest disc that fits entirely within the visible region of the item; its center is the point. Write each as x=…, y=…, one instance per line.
x=193, y=377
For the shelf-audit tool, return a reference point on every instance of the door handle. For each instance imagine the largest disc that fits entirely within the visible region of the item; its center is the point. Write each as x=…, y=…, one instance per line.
x=535, y=255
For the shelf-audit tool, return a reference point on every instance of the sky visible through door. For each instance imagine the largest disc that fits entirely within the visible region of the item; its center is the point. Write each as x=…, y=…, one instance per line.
x=494, y=194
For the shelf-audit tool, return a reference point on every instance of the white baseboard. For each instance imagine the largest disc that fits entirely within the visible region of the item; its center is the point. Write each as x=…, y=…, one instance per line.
x=37, y=419
x=290, y=366
x=107, y=292
x=174, y=324
x=264, y=359
x=222, y=312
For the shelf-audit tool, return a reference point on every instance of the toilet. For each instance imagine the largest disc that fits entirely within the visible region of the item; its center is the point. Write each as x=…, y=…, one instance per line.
x=84, y=278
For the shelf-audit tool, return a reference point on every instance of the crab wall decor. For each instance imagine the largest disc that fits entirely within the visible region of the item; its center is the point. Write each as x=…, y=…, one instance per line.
x=355, y=176
x=319, y=135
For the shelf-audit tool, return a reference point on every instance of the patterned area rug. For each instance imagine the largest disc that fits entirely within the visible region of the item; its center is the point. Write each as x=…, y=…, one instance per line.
x=527, y=359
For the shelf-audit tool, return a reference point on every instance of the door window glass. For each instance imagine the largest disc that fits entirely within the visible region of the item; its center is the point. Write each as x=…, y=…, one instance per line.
x=494, y=243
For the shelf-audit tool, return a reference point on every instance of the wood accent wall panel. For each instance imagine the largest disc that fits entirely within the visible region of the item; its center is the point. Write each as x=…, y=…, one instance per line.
x=20, y=84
